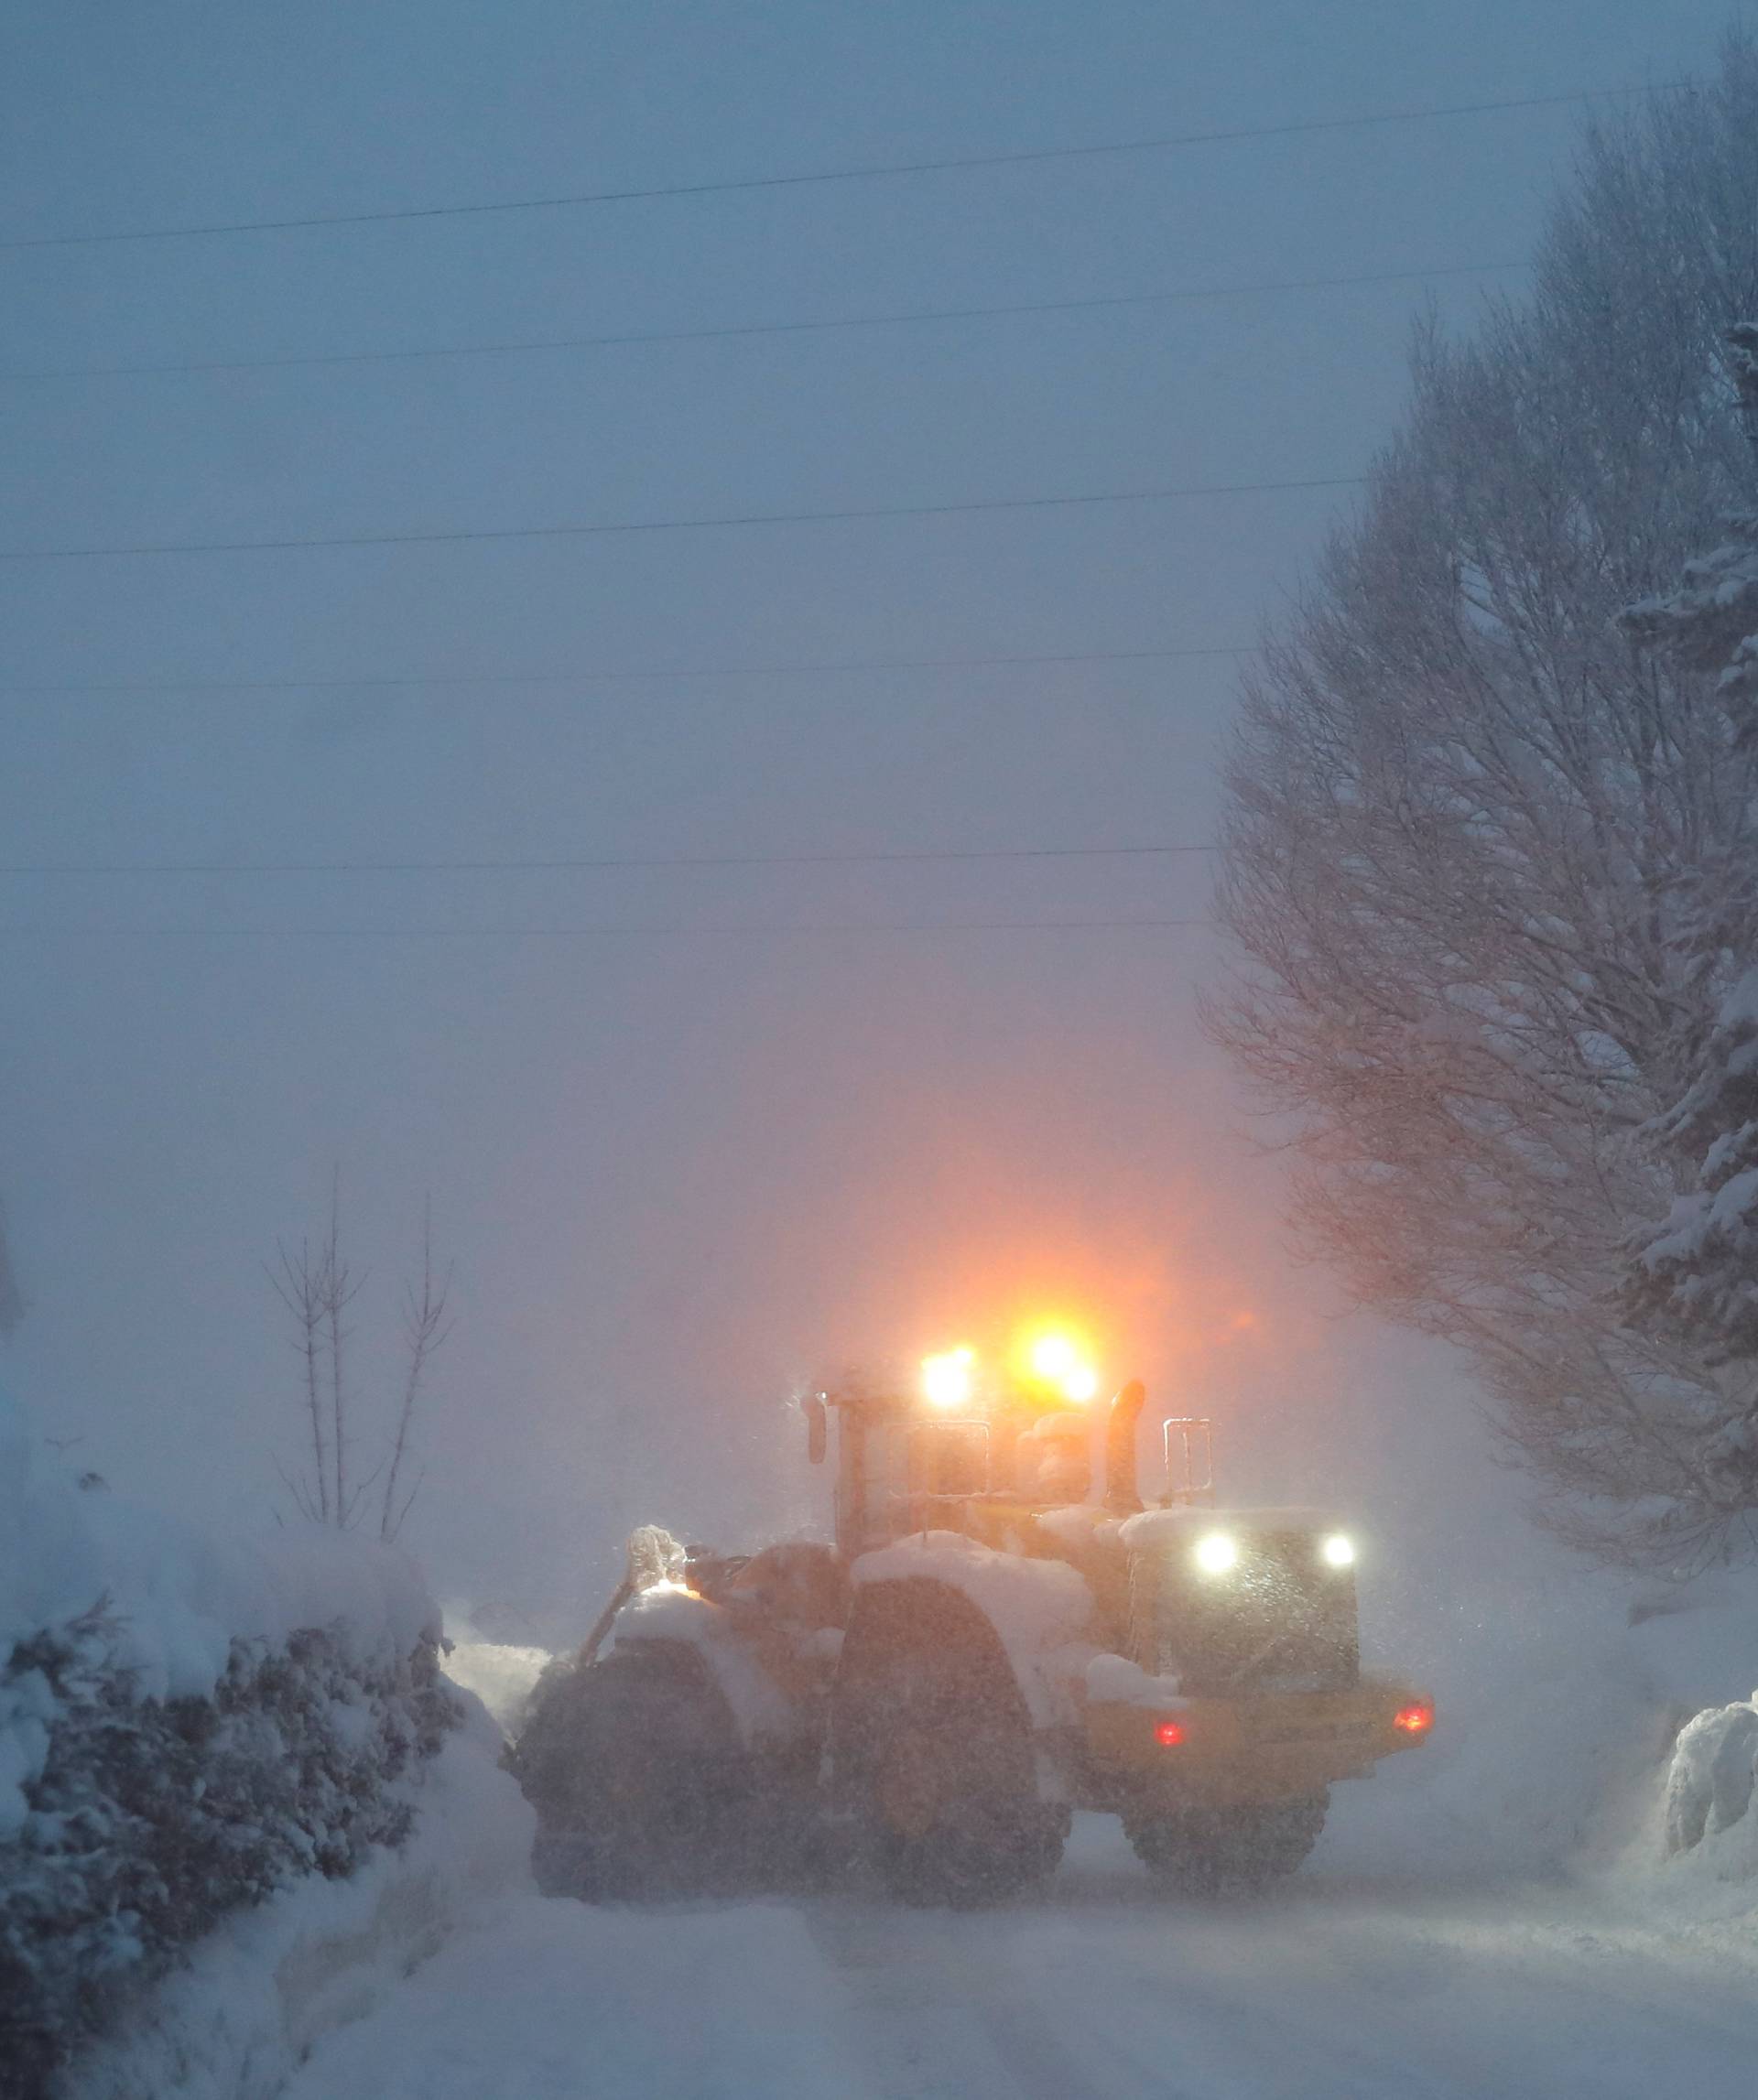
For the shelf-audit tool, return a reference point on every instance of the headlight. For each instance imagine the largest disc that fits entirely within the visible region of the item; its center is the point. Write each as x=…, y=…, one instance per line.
x=1216, y=1552
x=1338, y=1550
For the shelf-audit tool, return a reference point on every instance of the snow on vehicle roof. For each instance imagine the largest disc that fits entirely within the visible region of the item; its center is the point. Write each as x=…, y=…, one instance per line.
x=1114, y=1680
x=1039, y=1601
x=1079, y=1523
x=1178, y=1522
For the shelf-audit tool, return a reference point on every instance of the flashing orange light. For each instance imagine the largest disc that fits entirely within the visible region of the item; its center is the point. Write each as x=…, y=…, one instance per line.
x=1168, y=1734
x=1416, y=1719
x=1057, y=1360
x=1055, y=1357
x=946, y=1379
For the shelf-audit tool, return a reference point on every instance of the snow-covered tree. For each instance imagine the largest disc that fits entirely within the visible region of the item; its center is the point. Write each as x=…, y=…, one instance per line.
x=1470, y=823
x=1699, y=1273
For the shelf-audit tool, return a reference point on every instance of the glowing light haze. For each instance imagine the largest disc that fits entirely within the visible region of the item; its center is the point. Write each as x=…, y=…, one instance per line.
x=680, y=1162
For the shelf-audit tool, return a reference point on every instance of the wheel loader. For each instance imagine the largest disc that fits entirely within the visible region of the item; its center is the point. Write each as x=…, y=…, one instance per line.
x=1002, y=1633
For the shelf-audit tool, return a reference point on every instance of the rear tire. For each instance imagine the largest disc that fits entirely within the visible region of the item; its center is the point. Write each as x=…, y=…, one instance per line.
x=1214, y=1851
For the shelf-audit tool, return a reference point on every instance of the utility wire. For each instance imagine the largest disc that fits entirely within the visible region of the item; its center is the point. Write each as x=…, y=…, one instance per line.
x=591, y=933
x=728, y=334
x=567, y=678
x=594, y=863
x=868, y=172
x=724, y=523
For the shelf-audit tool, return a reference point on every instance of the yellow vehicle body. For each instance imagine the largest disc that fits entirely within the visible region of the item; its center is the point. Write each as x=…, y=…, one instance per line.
x=1267, y=1748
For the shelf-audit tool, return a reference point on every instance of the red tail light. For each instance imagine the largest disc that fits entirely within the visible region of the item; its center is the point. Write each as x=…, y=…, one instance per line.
x=1168, y=1734
x=1414, y=1720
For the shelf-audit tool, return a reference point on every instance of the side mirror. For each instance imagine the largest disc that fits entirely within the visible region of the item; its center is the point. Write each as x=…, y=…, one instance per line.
x=817, y=1428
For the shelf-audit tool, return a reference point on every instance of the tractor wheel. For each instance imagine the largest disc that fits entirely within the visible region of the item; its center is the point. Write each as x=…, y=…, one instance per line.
x=934, y=1753
x=634, y=1768
x=1212, y=1851
x=950, y=1823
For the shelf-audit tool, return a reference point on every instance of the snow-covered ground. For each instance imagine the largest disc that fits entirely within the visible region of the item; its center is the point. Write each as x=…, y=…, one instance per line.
x=1341, y=1984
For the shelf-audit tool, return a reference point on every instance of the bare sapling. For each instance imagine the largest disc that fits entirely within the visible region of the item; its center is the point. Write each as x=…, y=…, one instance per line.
x=341, y=1287
x=299, y=1283
x=317, y=1285
x=425, y=1327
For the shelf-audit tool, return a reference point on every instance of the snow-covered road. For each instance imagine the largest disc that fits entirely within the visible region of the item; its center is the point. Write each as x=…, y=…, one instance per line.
x=1340, y=1986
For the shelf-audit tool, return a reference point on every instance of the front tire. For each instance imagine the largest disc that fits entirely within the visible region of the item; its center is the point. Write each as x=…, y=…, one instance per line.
x=1216, y=1851
x=634, y=1768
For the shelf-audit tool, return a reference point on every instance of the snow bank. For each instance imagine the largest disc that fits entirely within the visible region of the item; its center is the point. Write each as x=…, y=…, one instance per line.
x=1038, y=1608
x=219, y=1745
x=181, y=1596
x=255, y=2000
x=1709, y=1788
x=1556, y=1717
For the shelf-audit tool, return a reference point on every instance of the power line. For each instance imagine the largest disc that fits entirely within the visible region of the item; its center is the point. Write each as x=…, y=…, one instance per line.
x=591, y=933
x=869, y=172
x=594, y=863
x=733, y=333
x=726, y=523
x=643, y=675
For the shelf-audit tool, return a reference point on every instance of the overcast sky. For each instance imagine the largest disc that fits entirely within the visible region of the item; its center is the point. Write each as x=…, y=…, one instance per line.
x=685, y=1158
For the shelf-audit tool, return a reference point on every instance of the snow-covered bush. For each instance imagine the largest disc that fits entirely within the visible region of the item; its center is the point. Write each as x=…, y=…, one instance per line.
x=186, y=1725
x=1709, y=1786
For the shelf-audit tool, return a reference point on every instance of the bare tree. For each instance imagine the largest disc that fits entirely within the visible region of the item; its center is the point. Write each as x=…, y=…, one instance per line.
x=425, y=1327
x=1469, y=823
x=301, y=1285
x=341, y=1287
x=317, y=1287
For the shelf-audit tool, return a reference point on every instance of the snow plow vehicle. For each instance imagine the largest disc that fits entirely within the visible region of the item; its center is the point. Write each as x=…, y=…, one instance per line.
x=1002, y=1633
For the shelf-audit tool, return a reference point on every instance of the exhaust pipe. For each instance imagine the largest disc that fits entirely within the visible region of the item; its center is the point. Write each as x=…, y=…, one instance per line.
x=1122, y=1497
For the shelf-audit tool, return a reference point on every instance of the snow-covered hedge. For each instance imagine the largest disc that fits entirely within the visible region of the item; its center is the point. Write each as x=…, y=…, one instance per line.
x=188, y=1724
